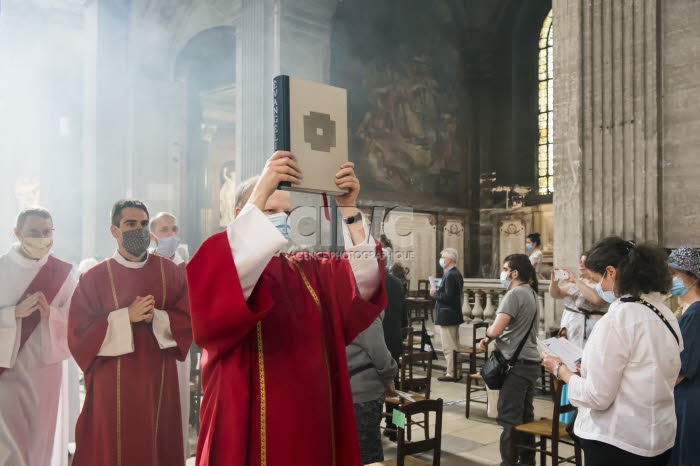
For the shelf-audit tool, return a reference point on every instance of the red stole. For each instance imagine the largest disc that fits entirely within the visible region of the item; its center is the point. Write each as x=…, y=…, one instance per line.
x=49, y=280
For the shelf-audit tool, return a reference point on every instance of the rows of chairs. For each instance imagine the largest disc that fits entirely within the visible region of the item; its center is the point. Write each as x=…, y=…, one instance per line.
x=415, y=376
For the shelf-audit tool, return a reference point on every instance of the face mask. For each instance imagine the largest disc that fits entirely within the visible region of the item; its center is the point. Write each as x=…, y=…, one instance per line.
x=136, y=241
x=168, y=245
x=608, y=296
x=678, y=288
x=504, y=280
x=279, y=220
x=442, y=262
x=529, y=246
x=36, y=248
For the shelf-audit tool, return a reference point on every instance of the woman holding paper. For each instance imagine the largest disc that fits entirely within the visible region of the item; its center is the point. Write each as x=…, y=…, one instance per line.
x=624, y=391
x=685, y=267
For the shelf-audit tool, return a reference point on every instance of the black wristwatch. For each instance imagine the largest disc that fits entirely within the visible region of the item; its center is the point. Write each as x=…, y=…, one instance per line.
x=355, y=218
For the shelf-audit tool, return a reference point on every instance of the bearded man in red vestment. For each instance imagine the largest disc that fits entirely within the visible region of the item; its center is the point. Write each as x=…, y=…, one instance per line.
x=274, y=329
x=128, y=323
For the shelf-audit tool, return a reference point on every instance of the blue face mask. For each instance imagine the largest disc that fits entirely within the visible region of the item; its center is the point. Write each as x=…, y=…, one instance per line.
x=280, y=221
x=678, y=288
x=167, y=246
x=529, y=246
x=504, y=280
x=608, y=296
x=442, y=262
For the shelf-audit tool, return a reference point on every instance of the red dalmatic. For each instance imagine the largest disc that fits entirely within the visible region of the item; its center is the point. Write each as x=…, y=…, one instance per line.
x=274, y=370
x=131, y=414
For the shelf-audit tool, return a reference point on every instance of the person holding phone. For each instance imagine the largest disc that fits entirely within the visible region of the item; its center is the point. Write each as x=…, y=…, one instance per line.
x=582, y=305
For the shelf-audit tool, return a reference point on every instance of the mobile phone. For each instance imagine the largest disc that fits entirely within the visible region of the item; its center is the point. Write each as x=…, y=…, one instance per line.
x=561, y=274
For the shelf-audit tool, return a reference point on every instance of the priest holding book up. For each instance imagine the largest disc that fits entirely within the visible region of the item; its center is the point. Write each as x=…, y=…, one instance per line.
x=274, y=328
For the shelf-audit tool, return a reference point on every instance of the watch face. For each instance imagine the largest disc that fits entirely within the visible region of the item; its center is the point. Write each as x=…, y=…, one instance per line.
x=353, y=219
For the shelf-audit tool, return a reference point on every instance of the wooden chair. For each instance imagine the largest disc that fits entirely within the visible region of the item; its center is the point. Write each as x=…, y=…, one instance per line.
x=417, y=387
x=473, y=355
x=408, y=339
x=545, y=383
x=547, y=429
x=424, y=288
x=417, y=332
x=407, y=448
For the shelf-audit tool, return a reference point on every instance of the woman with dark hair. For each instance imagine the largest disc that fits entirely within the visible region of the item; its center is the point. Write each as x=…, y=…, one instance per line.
x=388, y=250
x=685, y=267
x=624, y=391
x=516, y=321
x=400, y=272
x=533, y=243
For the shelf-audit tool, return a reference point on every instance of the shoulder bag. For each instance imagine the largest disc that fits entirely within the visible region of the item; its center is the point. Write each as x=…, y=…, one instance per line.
x=497, y=367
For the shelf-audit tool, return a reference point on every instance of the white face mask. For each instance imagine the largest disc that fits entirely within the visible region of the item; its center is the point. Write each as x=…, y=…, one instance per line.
x=281, y=221
x=168, y=245
x=504, y=280
x=36, y=248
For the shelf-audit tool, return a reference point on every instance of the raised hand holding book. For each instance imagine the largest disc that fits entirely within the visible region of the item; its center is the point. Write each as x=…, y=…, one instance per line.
x=311, y=121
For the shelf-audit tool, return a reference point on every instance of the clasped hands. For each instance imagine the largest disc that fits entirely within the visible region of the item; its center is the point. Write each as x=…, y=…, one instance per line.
x=34, y=302
x=142, y=309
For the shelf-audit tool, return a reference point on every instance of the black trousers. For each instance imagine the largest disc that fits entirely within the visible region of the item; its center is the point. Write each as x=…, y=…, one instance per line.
x=603, y=454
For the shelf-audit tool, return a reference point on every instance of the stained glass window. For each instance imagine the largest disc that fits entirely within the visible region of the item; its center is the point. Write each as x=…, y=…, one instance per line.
x=545, y=155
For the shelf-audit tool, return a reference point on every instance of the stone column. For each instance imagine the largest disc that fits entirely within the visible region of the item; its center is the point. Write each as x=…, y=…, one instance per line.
x=305, y=38
x=254, y=82
x=606, y=138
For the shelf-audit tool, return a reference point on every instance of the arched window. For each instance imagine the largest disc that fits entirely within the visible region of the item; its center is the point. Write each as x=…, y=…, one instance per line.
x=545, y=153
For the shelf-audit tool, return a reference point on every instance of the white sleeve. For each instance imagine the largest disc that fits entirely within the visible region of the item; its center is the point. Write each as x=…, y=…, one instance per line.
x=54, y=329
x=119, y=338
x=254, y=240
x=364, y=263
x=10, y=335
x=162, y=330
x=604, y=364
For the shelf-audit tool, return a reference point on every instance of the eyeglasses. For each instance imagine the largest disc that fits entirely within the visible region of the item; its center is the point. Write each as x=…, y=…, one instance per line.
x=34, y=233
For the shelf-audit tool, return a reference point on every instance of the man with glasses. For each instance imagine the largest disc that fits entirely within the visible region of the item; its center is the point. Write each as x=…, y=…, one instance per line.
x=35, y=292
x=129, y=321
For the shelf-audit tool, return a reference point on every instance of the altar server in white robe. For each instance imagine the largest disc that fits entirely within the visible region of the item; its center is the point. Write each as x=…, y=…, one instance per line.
x=35, y=292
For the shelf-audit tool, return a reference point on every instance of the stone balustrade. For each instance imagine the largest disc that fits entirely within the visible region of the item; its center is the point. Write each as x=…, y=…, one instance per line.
x=482, y=296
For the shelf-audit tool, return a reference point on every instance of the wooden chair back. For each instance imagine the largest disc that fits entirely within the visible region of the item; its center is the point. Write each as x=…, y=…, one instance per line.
x=408, y=339
x=424, y=288
x=407, y=378
x=434, y=443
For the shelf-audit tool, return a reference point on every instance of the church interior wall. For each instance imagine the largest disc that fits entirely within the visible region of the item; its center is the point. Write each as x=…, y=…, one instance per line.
x=680, y=61
x=625, y=154
x=437, y=122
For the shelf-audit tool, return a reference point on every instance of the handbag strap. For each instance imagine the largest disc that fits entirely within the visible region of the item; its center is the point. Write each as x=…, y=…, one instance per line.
x=653, y=308
x=514, y=359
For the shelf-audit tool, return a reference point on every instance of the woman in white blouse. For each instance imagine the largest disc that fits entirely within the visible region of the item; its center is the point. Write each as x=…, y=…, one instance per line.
x=624, y=391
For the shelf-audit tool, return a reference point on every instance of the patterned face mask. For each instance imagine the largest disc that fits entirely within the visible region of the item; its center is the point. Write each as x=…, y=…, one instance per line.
x=136, y=241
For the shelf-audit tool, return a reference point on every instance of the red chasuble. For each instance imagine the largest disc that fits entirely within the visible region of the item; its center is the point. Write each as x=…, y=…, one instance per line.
x=131, y=415
x=274, y=370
